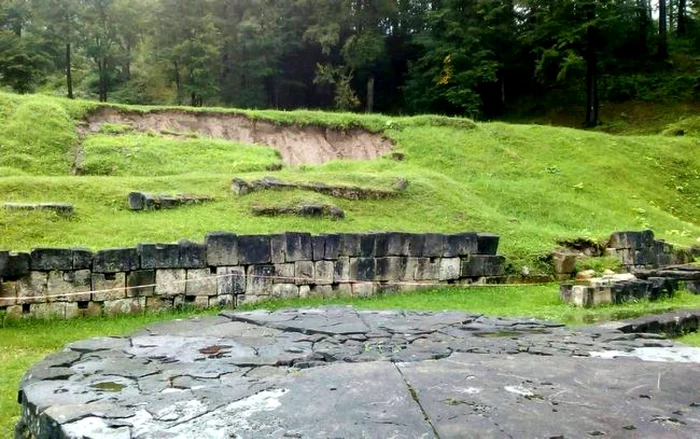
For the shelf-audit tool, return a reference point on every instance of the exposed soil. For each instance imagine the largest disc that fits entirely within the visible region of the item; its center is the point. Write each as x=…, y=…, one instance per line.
x=297, y=144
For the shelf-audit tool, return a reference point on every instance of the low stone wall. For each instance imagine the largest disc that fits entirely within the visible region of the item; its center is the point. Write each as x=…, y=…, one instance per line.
x=229, y=269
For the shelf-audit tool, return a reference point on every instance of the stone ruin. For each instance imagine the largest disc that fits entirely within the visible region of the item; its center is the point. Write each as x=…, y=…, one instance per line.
x=243, y=187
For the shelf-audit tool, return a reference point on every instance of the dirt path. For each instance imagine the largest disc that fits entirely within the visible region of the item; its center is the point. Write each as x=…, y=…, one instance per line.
x=297, y=145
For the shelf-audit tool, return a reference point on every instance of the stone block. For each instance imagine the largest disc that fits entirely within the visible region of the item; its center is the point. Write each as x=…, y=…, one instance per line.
x=116, y=260
x=249, y=299
x=108, y=286
x=141, y=283
x=155, y=304
x=564, y=262
x=449, y=269
x=230, y=280
x=13, y=313
x=284, y=273
x=260, y=280
x=416, y=245
x=318, y=247
x=602, y=296
x=50, y=259
x=398, y=244
x=460, y=244
x=304, y=272
x=487, y=243
x=54, y=310
x=197, y=302
x=192, y=254
x=68, y=283
x=422, y=269
x=364, y=289
x=33, y=287
x=285, y=291
x=381, y=245
x=332, y=248
x=304, y=291
x=91, y=309
x=278, y=245
x=483, y=266
x=362, y=269
x=341, y=270
x=82, y=259
x=222, y=249
x=225, y=301
x=133, y=305
x=368, y=242
x=693, y=286
x=8, y=293
x=392, y=268
x=434, y=246
x=71, y=310
x=582, y=296
x=321, y=291
x=298, y=247
x=15, y=265
x=253, y=249
x=565, y=291
x=349, y=244
x=324, y=272
x=4, y=256
x=201, y=282
x=631, y=240
x=159, y=256
x=343, y=290
x=171, y=282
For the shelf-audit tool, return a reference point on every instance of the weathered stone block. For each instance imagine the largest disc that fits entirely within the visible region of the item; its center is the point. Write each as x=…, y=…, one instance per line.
x=318, y=247
x=304, y=272
x=298, y=247
x=422, y=269
x=197, y=302
x=381, y=244
x=108, y=286
x=248, y=299
x=141, y=283
x=364, y=289
x=134, y=305
x=171, y=282
x=632, y=240
x=398, y=244
x=54, y=310
x=343, y=290
x=304, y=291
x=224, y=301
x=14, y=265
x=368, y=242
x=602, y=296
x=332, y=249
x=32, y=287
x=392, y=268
x=69, y=283
x=582, y=296
x=13, y=313
x=4, y=256
x=324, y=272
x=201, y=282
x=260, y=280
x=155, y=303
x=285, y=291
x=91, y=309
x=222, y=249
x=71, y=310
x=450, y=269
x=159, y=256
x=8, y=293
x=416, y=245
x=253, y=249
x=49, y=259
x=647, y=256
x=487, y=243
x=349, y=244
x=284, y=273
x=82, y=259
x=693, y=286
x=483, y=266
x=460, y=244
x=278, y=245
x=434, y=246
x=192, y=254
x=341, y=271
x=564, y=262
x=321, y=291
x=230, y=280
x=362, y=269
x=116, y=260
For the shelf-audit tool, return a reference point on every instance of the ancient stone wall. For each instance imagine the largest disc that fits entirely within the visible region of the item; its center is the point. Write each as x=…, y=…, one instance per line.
x=229, y=269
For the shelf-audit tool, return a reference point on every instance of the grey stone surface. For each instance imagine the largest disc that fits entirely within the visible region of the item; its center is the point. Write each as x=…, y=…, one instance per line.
x=116, y=260
x=222, y=249
x=364, y=374
x=49, y=259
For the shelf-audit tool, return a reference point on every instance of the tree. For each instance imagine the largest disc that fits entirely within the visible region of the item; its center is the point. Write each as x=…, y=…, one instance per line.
x=100, y=40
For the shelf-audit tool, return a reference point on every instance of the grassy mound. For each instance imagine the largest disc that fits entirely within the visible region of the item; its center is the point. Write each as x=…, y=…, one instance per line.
x=532, y=184
x=689, y=126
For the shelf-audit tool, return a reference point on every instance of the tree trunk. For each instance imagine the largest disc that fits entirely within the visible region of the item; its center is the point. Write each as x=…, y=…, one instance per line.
x=592, y=103
x=178, y=84
x=643, y=16
x=662, y=51
x=69, y=72
x=370, y=93
x=682, y=25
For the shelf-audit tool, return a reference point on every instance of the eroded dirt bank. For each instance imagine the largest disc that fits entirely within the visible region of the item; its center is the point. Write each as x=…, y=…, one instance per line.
x=297, y=145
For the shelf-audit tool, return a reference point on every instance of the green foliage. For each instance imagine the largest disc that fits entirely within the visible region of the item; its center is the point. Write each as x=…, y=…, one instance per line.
x=689, y=126
x=600, y=264
x=116, y=129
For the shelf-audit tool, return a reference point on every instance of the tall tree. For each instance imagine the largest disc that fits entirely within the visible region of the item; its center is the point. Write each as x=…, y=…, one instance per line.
x=662, y=47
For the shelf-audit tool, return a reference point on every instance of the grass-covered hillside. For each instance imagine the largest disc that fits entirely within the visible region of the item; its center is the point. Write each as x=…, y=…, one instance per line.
x=532, y=184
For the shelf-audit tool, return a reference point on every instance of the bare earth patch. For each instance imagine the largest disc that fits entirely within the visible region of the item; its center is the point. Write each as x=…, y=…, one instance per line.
x=297, y=145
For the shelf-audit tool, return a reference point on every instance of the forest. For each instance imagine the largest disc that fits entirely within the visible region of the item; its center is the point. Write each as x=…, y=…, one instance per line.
x=476, y=58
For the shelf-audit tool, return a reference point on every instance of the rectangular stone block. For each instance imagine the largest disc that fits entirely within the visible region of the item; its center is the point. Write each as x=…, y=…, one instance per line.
x=50, y=259
x=155, y=303
x=364, y=289
x=632, y=240
x=171, y=282
x=416, y=244
x=116, y=260
x=349, y=244
x=298, y=247
x=192, y=254
x=646, y=256
x=249, y=299
x=254, y=249
x=398, y=244
x=33, y=287
x=141, y=283
x=381, y=245
x=343, y=290
x=304, y=272
x=4, y=256
x=582, y=296
x=108, y=286
x=222, y=249
x=14, y=313
x=8, y=293
x=71, y=310
x=224, y=301
x=461, y=244
x=487, y=243
x=304, y=291
x=318, y=247
x=362, y=269
x=14, y=265
x=82, y=259
x=483, y=266
x=90, y=309
x=602, y=296
x=450, y=269
x=230, y=280
x=321, y=291
x=260, y=280
x=422, y=269
x=278, y=245
x=55, y=310
x=324, y=272
x=368, y=242
x=332, y=249
x=392, y=268
x=133, y=305
x=284, y=273
x=341, y=270
x=197, y=302
x=69, y=283
x=201, y=282
x=285, y=291
x=434, y=245
x=159, y=256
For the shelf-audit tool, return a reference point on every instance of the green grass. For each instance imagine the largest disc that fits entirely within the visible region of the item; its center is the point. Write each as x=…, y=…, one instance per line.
x=24, y=343
x=691, y=339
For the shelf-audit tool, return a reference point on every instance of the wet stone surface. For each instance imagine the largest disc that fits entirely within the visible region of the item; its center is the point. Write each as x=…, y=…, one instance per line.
x=343, y=373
